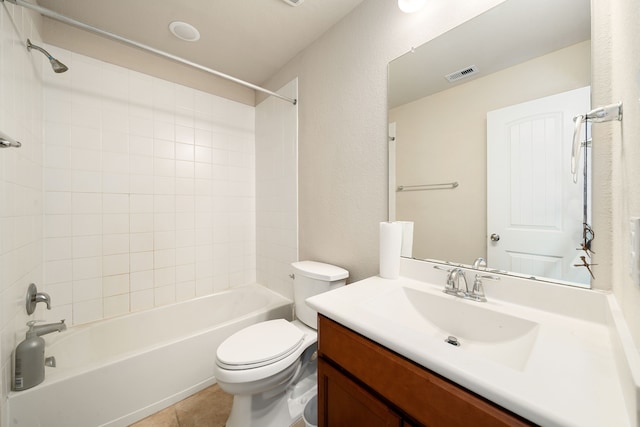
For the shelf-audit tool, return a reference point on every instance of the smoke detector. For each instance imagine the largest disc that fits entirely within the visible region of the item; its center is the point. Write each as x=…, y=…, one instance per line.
x=293, y=2
x=462, y=74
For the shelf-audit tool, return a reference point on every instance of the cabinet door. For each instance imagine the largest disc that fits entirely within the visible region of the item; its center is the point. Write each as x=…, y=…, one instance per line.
x=343, y=403
x=417, y=393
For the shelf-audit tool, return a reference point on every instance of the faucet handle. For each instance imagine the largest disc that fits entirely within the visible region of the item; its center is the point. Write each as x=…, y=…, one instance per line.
x=34, y=297
x=477, y=292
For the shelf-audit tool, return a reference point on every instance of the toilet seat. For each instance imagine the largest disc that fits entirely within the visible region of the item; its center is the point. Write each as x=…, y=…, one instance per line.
x=259, y=345
x=251, y=377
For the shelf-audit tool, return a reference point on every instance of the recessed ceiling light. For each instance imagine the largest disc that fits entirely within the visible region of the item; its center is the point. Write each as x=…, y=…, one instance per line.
x=184, y=31
x=410, y=6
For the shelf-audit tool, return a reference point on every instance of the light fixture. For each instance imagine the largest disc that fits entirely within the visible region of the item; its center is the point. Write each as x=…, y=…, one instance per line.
x=184, y=31
x=410, y=6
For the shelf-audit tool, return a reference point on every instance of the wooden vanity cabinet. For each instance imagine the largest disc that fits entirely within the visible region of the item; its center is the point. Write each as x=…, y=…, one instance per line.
x=361, y=383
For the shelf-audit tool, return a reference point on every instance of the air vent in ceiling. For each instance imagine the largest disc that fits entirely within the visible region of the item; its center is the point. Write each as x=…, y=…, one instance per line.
x=461, y=74
x=293, y=2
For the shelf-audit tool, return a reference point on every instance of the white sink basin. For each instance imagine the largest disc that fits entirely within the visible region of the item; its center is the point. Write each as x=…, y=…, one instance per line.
x=537, y=349
x=496, y=336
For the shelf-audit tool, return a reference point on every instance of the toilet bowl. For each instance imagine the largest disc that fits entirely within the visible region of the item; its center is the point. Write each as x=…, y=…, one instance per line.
x=270, y=367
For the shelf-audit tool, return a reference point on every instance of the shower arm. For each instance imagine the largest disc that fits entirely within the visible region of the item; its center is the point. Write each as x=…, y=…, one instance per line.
x=38, y=48
x=58, y=17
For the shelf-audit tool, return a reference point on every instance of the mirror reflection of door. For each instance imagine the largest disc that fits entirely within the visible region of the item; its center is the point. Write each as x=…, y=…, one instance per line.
x=534, y=209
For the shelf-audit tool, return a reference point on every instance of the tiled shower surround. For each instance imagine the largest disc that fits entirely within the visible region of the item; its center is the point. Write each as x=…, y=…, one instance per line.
x=131, y=192
x=149, y=191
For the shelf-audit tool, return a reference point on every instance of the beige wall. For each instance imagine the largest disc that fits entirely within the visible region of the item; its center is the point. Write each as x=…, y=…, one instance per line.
x=442, y=138
x=92, y=45
x=616, y=62
x=343, y=120
x=343, y=128
x=276, y=190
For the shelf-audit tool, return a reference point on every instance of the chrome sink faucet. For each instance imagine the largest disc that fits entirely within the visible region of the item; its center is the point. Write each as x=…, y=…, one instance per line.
x=453, y=282
x=452, y=287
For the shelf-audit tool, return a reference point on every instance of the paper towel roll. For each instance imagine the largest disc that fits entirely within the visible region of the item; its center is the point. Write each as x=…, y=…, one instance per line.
x=390, y=245
x=406, y=249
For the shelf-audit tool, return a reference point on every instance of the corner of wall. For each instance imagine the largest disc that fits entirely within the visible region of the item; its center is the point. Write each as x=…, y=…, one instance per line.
x=20, y=182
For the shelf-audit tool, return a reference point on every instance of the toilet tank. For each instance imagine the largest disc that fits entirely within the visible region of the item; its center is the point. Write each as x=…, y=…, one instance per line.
x=313, y=278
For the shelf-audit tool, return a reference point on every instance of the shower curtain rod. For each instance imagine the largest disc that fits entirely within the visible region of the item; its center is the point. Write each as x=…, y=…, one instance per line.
x=58, y=17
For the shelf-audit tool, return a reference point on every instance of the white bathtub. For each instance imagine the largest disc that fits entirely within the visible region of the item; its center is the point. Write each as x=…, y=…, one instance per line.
x=118, y=371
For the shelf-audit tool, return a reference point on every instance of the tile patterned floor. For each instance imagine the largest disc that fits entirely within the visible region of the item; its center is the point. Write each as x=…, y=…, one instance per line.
x=207, y=408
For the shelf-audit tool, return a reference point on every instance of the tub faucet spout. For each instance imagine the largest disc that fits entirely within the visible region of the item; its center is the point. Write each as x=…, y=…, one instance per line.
x=49, y=327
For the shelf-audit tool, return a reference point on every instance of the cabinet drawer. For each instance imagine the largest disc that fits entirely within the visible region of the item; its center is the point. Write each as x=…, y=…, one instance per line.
x=417, y=392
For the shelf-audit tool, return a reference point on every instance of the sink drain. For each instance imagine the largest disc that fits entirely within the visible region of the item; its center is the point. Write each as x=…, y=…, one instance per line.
x=452, y=340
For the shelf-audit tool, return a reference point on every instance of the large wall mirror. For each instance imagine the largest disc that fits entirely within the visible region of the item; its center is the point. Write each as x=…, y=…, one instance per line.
x=481, y=125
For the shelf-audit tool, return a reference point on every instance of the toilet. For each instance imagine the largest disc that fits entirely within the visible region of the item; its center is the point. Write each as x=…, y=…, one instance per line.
x=270, y=367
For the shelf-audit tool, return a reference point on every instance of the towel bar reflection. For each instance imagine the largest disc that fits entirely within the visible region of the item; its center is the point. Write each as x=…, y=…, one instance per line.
x=7, y=142
x=421, y=187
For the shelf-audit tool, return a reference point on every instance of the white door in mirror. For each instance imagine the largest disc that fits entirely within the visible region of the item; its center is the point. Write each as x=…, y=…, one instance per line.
x=532, y=202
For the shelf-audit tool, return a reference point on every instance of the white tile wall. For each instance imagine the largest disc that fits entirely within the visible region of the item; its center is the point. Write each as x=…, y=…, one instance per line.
x=149, y=191
x=21, y=198
x=130, y=192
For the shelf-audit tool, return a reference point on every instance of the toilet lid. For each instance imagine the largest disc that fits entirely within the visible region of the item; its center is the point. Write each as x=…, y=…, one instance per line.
x=260, y=344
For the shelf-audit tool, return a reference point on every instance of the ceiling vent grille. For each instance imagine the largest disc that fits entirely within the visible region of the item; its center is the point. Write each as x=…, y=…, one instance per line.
x=293, y=2
x=462, y=74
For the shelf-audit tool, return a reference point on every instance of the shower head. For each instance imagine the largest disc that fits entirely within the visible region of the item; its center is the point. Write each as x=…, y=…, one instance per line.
x=57, y=66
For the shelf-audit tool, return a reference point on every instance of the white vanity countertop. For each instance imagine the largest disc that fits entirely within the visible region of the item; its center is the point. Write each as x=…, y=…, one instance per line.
x=569, y=378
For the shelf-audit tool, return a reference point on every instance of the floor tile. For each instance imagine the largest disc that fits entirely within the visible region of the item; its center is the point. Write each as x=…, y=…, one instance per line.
x=165, y=418
x=207, y=408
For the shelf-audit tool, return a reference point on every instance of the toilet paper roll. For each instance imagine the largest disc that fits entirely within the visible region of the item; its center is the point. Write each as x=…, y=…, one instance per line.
x=406, y=250
x=390, y=245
